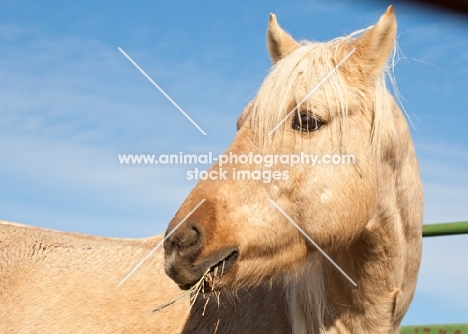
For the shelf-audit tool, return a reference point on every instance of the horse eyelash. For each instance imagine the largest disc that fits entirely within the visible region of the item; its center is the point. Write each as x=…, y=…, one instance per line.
x=296, y=121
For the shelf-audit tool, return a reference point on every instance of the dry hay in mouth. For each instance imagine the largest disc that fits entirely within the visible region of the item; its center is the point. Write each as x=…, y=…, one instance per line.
x=210, y=280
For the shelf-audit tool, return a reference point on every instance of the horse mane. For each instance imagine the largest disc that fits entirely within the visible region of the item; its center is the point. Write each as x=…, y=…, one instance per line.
x=304, y=68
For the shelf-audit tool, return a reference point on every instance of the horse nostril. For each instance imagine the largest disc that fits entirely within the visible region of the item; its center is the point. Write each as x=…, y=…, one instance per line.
x=189, y=237
x=187, y=241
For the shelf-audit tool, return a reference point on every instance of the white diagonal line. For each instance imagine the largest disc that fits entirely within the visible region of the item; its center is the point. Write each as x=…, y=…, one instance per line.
x=313, y=242
x=313, y=90
x=159, y=244
x=162, y=91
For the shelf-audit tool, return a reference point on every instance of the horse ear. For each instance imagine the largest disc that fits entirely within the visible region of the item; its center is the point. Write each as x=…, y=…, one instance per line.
x=375, y=45
x=245, y=113
x=280, y=43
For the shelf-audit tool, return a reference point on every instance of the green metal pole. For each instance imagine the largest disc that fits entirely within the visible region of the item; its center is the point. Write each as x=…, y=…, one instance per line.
x=434, y=230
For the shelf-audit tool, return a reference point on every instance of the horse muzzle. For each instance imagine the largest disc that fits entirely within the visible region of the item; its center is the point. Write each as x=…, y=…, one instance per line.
x=186, y=273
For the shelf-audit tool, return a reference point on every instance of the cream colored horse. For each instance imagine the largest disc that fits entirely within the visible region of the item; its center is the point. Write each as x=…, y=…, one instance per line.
x=55, y=282
x=366, y=216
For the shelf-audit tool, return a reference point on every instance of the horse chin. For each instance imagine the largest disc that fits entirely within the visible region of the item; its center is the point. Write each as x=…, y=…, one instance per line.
x=214, y=271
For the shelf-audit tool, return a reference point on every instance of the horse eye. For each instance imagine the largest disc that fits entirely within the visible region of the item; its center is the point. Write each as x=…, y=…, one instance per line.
x=305, y=122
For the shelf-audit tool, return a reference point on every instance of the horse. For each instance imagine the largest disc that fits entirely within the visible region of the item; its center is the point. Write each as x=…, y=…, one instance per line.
x=312, y=249
x=344, y=240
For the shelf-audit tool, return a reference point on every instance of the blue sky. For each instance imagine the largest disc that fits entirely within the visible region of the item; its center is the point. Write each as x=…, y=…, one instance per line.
x=70, y=102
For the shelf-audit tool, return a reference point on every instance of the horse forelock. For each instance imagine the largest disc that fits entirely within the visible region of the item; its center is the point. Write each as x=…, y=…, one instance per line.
x=293, y=77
